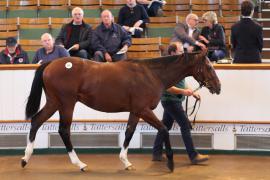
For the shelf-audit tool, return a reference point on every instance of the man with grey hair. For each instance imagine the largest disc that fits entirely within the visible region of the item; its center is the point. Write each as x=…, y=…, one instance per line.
x=188, y=33
x=76, y=35
x=49, y=51
x=110, y=40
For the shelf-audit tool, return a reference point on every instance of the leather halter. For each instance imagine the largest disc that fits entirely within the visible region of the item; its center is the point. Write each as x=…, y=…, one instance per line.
x=201, y=84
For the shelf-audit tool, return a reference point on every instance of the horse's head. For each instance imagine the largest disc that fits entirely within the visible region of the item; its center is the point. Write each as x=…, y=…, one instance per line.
x=205, y=74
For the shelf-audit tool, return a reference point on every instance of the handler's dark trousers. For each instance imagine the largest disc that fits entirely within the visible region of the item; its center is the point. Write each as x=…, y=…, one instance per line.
x=173, y=110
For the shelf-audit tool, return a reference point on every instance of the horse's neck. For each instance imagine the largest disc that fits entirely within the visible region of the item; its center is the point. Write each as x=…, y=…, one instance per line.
x=173, y=73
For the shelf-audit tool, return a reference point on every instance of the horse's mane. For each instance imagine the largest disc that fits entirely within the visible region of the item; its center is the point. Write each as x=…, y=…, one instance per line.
x=160, y=62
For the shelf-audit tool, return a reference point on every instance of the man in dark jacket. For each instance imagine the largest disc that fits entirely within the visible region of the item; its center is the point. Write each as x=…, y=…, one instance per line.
x=110, y=41
x=132, y=17
x=247, y=37
x=13, y=53
x=76, y=35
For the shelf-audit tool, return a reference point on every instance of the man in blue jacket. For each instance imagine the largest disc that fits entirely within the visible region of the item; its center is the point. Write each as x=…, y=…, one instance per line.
x=110, y=41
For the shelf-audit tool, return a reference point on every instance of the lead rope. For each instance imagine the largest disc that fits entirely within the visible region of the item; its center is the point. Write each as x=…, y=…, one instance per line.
x=191, y=126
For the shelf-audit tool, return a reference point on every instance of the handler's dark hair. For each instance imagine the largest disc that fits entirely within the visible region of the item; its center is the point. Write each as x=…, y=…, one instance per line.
x=247, y=7
x=172, y=48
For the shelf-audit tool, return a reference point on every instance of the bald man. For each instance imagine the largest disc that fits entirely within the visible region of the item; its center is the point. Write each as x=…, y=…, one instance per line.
x=110, y=41
x=49, y=51
x=76, y=35
x=188, y=33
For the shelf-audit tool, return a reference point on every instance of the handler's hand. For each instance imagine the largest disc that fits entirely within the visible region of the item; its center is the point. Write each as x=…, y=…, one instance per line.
x=188, y=92
x=196, y=96
x=108, y=57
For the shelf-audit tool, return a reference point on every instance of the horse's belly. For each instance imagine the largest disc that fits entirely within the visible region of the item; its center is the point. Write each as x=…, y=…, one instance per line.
x=106, y=104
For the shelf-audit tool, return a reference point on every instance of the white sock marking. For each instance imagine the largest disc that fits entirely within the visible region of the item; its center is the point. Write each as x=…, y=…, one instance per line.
x=28, y=151
x=123, y=157
x=75, y=160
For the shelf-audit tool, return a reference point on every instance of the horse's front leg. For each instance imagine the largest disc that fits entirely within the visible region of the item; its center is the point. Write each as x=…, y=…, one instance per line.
x=131, y=126
x=149, y=117
x=64, y=131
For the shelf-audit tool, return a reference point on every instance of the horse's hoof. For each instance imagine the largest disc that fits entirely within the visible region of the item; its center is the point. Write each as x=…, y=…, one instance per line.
x=84, y=168
x=23, y=163
x=170, y=165
x=130, y=168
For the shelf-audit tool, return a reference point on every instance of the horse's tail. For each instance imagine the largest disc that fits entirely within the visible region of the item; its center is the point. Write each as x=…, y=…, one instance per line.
x=34, y=98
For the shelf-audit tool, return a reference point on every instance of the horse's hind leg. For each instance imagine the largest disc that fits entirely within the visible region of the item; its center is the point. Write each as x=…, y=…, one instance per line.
x=131, y=126
x=64, y=131
x=43, y=115
x=150, y=118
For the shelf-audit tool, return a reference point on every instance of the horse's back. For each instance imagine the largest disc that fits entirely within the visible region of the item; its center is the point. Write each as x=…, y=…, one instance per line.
x=65, y=73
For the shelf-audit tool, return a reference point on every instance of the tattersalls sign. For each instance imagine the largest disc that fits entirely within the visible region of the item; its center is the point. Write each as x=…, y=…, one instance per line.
x=109, y=127
x=142, y=127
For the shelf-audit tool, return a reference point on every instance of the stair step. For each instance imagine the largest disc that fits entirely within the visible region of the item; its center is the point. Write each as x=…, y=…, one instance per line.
x=266, y=32
x=265, y=13
x=265, y=5
x=266, y=43
x=265, y=23
x=266, y=54
x=265, y=60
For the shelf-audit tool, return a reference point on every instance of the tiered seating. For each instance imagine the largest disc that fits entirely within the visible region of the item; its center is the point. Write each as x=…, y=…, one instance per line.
x=8, y=28
x=2, y=44
x=227, y=23
x=32, y=28
x=94, y=22
x=201, y=6
x=91, y=8
x=144, y=48
x=231, y=7
x=3, y=8
x=161, y=26
x=55, y=25
x=113, y=5
x=52, y=14
x=53, y=8
x=25, y=9
x=177, y=7
x=31, y=46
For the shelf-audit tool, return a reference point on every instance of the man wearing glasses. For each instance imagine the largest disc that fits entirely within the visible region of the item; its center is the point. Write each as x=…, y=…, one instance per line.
x=188, y=33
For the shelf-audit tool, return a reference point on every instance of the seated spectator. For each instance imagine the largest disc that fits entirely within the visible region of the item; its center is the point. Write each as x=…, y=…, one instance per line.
x=110, y=41
x=247, y=36
x=132, y=17
x=213, y=36
x=188, y=33
x=153, y=7
x=49, y=51
x=76, y=35
x=13, y=53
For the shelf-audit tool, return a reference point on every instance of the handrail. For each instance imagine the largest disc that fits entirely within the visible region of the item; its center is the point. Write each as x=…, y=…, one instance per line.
x=125, y=121
x=261, y=66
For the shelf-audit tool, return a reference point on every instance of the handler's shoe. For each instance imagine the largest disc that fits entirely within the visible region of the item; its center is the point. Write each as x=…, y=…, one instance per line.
x=199, y=159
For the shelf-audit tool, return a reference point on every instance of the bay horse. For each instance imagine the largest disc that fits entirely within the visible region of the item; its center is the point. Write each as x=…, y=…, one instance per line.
x=133, y=86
